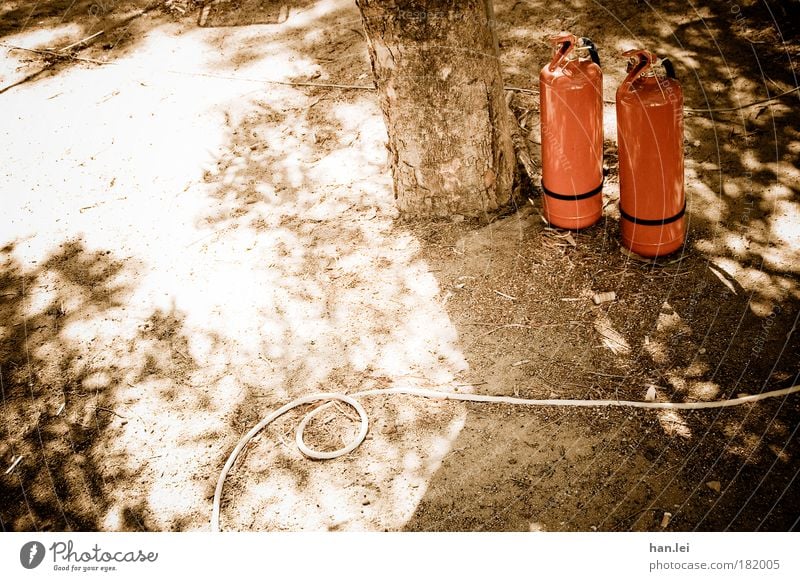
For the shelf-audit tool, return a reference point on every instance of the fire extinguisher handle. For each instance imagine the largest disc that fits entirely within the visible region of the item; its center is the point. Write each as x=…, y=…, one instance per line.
x=641, y=61
x=563, y=44
x=586, y=42
x=669, y=69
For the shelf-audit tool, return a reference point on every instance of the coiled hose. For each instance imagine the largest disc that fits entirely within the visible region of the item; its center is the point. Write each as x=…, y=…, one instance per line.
x=434, y=394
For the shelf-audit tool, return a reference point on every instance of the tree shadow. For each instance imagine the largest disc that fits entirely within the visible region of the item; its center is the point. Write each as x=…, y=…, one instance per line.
x=62, y=412
x=53, y=24
x=687, y=328
x=218, y=13
x=319, y=43
x=691, y=327
x=46, y=38
x=326, y=292
x=344, y=304
x=718, y=322
x=55, y=402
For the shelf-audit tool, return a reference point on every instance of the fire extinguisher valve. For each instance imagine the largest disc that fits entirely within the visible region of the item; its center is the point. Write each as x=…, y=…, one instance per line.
x=563, y=44
x=643, y=63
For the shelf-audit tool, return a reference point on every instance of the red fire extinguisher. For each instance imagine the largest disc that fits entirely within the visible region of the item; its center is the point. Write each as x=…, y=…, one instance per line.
x=650, y=134
x=571, y=103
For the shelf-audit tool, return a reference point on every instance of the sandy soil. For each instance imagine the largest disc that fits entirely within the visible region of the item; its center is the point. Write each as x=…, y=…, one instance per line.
x=187, y=244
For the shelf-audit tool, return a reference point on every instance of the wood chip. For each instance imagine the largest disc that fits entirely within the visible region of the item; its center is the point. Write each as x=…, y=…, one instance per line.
x=651, y=393
x=719, y=274
x=606, y=297
x=611, y=338
x=714, y=485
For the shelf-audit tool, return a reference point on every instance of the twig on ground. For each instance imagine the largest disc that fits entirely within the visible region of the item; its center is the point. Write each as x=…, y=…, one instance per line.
x=346, y=411
x=521, y=90
x=110, y=411
x=508, y=326
x=325, y=85
x=182, y=354
x=608, y=375
x=504, y=295
x=81, y=41
x=746, y=106
x=14, y=464
x=54, y=54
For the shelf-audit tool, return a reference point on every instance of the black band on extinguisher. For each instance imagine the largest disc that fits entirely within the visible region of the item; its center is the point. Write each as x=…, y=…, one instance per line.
x=662, y=222
x=572, y=197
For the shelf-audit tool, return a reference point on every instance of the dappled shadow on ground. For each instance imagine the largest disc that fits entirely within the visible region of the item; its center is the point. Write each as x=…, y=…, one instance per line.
x=62, y=368
x=344, y=303
x=56, y=24
x=324, y=38
x=295, y=278
x=46, y=38
x=216, y=13
x=520, y=296
x=717, y=320
x=55, y=400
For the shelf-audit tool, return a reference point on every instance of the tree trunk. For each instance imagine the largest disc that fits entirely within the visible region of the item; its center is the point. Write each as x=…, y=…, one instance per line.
x=436, y=68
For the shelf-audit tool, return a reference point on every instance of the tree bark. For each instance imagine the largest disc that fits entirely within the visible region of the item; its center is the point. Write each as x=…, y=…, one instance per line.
x=437, y=71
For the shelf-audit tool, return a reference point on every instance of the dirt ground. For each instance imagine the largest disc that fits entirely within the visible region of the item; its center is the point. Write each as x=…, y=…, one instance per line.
x=190, y=239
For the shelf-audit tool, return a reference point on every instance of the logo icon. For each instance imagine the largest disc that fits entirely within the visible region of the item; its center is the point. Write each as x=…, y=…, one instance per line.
x=31, y=554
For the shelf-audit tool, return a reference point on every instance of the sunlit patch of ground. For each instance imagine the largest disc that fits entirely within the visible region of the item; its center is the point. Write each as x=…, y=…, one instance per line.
x=259, y=261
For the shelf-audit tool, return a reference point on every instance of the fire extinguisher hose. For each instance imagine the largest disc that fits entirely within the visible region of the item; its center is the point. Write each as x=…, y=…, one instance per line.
x=331, y=398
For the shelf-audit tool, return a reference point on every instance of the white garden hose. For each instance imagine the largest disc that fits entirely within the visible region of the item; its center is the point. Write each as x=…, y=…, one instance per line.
x=433, y=394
